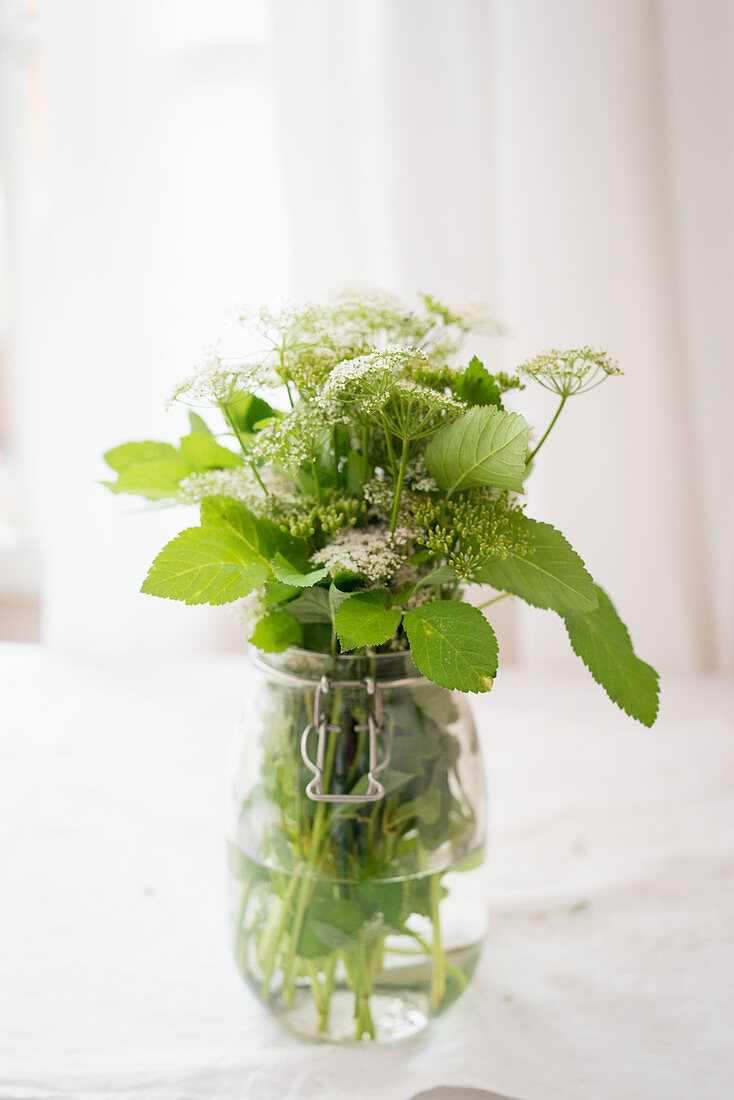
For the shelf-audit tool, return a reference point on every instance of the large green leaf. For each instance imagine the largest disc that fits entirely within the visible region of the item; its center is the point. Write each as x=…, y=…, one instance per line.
x=205, y=565
x=154, y=470
x=602, y=641
x=263, y=538
x=201, y=452
x=134, y=454
x=550, y=574
x=453, y=645
x=156, y=480
x=366, y=618
x=485, y=446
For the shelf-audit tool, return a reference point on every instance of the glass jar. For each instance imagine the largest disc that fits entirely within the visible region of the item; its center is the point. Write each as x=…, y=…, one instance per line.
x=356, y=844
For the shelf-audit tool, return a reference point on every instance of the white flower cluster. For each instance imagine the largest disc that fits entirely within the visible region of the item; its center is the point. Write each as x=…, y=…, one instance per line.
x=248, y=611
x=371, y=553
x=238, y=482
x=292, y=439
x=430, y=400
x=218, y=379
x=570, y=372
x=368, y=380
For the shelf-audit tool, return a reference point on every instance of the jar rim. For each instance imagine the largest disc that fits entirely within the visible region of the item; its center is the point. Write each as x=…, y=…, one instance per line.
x=339, y=666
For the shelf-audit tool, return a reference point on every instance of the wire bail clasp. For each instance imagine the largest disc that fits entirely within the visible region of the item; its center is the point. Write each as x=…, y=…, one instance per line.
x=320, y=724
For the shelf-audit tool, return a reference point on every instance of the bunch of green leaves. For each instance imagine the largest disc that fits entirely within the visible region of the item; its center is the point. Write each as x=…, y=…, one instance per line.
x=355, y=517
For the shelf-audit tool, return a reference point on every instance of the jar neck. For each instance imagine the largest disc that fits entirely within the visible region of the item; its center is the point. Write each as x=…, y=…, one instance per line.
x=308, y=665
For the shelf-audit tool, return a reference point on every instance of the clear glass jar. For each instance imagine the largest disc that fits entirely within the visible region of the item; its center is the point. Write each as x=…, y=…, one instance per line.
x=361, y=919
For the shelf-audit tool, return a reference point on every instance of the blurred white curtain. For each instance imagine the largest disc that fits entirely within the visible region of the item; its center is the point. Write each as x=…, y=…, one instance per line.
x=570, y=161
x=574, y=162
x=166, y=214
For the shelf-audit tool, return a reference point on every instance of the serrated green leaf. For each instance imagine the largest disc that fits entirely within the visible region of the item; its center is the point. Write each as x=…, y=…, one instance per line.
x=442, y=574
x=136, y=454
x=476, y=386
x=453, y=645
x=276, y=632
x=155, y=480
x=602, y=641
x=484, y=446
x=285, y=572
x=263, y=538
x=201, y=452
x=341, y=588
x=205, y=565
x=550, y=574
x=366, y=619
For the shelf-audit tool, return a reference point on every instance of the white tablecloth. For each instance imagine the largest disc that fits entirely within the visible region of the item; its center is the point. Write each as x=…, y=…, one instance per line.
x=609, y=974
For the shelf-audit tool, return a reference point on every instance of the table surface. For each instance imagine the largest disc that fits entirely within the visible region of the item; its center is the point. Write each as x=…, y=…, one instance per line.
x=608, y=972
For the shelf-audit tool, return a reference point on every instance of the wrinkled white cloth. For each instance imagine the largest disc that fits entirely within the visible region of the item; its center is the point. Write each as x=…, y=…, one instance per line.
x=608, y=974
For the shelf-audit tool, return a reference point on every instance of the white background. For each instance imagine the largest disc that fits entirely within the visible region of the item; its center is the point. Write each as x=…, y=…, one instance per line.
x=572, y=162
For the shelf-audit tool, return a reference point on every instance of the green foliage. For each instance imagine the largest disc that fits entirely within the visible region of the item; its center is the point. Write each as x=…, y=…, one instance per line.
x=468, y=528
x=205, y=565
x=392, y=474
x=453, y=645
x=548, y=572
x=485, y=446
x=285, y=572
x=156, y=480
x=134, y=454
x=476, y=386
x=246, y=411
x=262, y=538
x=201, y=452
x=312, y=606
x=602, y=641
x=198, y=424
x=276, y=631
x=366, y=619
x=155, y=470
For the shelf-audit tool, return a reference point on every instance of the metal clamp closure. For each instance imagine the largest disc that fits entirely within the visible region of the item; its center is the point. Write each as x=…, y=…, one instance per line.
x=322, y=727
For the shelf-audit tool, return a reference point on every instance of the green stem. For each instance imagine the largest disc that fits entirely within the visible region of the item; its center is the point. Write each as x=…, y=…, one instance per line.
x=438, y=977
x=329, y=974
x=399, y=487
x=306, y=879
x=316, y=481
x=547, y=432
x=364, y=455
x=390, y=449
x=335, y=449
x=427, y=949
x=238, y=437
x=495, y=599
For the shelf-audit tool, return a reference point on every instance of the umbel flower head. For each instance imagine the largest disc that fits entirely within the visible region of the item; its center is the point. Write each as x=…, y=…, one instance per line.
x=570, y=372
x=217, y=380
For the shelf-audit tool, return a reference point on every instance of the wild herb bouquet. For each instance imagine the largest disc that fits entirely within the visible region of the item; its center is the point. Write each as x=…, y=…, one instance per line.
x=359, y=481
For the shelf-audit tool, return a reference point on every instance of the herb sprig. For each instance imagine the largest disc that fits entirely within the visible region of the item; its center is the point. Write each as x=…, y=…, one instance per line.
x=360, y=480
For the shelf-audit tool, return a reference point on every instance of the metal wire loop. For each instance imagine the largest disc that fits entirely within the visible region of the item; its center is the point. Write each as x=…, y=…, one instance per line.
x=320, y=725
